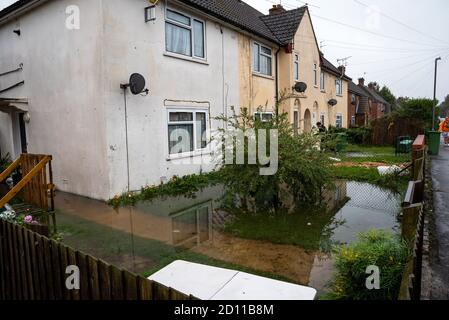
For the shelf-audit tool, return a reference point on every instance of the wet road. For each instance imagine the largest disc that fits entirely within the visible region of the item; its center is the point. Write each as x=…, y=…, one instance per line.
x=440, y=263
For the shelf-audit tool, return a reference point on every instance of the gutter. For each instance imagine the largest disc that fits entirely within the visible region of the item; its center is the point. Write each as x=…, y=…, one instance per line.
x=20, y=10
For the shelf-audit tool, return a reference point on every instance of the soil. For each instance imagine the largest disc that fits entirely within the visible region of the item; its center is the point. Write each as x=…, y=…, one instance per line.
x=289, y=261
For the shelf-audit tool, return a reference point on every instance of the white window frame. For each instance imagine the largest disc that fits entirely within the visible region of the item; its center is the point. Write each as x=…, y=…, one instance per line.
x=337, y=116
x=194, y=111
x=263, y=113
x=339, y=87
x=260, y=53
x=315, y=74
x=296, y=66
x=353, y=119
x=322, y=81
x=192, y=34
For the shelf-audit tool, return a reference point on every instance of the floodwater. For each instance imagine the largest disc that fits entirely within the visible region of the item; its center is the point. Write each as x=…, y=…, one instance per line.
x=150, y=235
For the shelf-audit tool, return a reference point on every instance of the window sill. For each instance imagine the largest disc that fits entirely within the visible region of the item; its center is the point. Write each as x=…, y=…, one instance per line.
x=340, y=95
x=187, y=155
x=186, y=58
x=261, y=75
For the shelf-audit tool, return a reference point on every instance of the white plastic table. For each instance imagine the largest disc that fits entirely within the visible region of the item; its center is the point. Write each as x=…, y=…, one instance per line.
x=212, y=283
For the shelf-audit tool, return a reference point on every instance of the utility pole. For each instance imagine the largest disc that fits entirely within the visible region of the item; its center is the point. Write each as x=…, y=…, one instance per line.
x=435, y=93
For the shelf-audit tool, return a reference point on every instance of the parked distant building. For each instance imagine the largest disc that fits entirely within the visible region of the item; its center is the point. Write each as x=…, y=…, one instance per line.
x=372, y=106
x=356, y=114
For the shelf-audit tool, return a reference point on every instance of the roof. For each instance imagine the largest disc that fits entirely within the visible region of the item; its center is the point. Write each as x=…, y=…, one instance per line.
x=356, y=89
x=328, y=66
x=15, y=6
x=284, y=25
x=237, y=13
x=278, y=28
x=375, y=95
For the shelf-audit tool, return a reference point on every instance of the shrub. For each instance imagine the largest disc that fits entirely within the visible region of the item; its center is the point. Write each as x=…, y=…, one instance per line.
x=374, y=248
x=302, y=170
x=359, y=135
x=177, y=186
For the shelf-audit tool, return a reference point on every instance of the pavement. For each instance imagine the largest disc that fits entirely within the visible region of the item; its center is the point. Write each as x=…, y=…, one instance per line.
x=439, y=264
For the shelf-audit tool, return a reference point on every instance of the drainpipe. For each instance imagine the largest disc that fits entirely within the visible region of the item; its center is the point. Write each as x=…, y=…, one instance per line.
x=276, y=80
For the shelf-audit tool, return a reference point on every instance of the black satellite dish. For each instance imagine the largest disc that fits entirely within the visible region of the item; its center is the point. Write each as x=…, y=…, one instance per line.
x=333, y=102
x=300, y=87
x=136, y=83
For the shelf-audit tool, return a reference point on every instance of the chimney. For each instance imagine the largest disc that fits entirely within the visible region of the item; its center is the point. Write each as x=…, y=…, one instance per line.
x=342, y=70
x=371, y=86
x=361, y=82
x=277, y=8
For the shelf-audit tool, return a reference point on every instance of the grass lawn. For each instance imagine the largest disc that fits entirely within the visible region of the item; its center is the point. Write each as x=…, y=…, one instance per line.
x=117, y=247
x=382, y=154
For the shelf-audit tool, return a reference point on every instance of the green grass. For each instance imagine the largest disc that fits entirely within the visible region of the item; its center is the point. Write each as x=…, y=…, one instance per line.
x=393, y=182
x=107, y=243
x=360, y=174
x=382, y=154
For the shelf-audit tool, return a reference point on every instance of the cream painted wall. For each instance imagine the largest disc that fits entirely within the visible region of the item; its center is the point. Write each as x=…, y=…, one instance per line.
x=313, y=99
x=255, y=90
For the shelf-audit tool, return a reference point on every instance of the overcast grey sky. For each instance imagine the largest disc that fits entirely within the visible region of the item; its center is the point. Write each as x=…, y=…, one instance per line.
x=393, y=42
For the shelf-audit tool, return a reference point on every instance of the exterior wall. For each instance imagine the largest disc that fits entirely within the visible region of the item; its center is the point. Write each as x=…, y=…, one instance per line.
x=342, y=101
x=256, y=91
x=135, y=46
x=313, y=101
x=63, y=74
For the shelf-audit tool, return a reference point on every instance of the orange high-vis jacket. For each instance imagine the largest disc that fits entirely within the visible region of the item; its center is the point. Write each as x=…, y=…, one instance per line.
x=444, y=126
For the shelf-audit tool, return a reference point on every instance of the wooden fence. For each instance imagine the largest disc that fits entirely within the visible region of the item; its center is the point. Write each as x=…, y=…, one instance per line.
x=36, y=186
x=385, y=131
x=33, y=267
x=413, y=223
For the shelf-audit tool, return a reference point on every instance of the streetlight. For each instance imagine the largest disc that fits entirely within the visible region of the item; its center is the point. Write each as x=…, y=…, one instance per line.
x=434, y=135
x=435, y=93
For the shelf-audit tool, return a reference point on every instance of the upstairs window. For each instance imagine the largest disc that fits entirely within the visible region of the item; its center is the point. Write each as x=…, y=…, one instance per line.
x=322, y=81
x=296, y=67
x=262, y=59
x=184, y=35
x=315, y=74
x=339, y=87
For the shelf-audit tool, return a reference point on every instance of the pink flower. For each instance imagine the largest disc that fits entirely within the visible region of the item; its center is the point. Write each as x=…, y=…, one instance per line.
x=28, y=219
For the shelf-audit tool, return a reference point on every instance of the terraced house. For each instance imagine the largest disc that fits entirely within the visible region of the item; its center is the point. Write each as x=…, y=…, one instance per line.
x=65, y=67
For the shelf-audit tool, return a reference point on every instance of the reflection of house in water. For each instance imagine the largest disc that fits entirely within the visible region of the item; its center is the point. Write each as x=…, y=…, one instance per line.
x=192, y=226
x=333, y=198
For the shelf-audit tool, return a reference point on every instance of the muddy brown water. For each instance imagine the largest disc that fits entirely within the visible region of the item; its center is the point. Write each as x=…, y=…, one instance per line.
x=173, y=225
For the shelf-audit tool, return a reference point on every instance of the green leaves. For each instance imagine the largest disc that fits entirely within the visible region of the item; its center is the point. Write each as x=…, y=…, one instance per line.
x=374, y=248
x=302, y=169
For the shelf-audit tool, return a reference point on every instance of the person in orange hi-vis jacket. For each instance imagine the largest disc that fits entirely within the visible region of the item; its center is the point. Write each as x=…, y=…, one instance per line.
x=444, y=129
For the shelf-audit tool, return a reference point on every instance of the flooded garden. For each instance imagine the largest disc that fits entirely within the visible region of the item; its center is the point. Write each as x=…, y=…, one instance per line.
x=292, y=246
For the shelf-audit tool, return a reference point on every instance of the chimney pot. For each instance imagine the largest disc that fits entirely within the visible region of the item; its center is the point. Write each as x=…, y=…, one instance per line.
x=276, y=9
x=361, y=82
